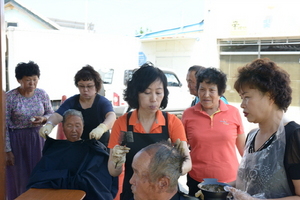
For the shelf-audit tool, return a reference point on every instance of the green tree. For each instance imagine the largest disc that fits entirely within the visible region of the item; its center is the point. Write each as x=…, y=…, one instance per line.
x=142, y=31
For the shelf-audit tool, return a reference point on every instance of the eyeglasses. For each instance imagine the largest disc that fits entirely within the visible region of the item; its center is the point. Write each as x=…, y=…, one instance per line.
x=82, y=87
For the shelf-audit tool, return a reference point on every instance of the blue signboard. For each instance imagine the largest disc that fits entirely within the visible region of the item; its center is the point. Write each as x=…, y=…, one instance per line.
x=142, y=58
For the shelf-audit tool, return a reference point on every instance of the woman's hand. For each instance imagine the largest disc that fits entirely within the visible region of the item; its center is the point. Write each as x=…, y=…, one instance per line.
x=182, y=147
x=98, y=131
x=119, y=155
x=38, y=120
x=239, y=194
x=10, y=158
x=46, y=130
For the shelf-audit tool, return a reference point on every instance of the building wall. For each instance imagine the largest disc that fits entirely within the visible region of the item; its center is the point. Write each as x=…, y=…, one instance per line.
x=176, y=54
x=251, y=20
x=24, y=20
x=254, y=20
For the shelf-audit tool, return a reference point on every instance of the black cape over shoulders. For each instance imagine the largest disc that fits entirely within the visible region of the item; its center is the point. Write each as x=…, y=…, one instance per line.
x=75, y=165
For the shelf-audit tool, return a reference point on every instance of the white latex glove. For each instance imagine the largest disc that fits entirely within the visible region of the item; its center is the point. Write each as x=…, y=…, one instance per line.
x=46, y=130
x=239, y=194
x=98, y=131
x=119, y=155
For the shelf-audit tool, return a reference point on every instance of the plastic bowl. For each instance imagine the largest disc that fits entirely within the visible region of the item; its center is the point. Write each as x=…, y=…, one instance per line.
x=210, y=194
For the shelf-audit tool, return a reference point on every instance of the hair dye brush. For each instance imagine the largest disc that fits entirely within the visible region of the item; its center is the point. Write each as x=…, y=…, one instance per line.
x=124, y=139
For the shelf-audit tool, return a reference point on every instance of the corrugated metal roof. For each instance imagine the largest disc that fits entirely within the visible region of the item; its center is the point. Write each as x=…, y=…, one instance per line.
x=174, y=31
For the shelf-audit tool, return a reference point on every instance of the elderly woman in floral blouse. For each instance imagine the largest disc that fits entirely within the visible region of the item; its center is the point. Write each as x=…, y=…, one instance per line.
x=27, y=108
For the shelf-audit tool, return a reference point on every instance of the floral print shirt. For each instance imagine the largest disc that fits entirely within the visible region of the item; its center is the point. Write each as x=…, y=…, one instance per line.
x=20, y=109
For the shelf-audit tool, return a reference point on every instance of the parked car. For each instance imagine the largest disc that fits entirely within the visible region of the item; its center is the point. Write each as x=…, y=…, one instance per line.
x=115, y=83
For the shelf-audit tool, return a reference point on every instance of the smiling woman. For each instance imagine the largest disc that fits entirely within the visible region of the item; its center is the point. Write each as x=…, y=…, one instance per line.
x=214, y=130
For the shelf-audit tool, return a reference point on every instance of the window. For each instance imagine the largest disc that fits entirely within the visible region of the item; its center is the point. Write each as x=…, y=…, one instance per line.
x=108, y=76
x=127, y=75
x=14, y=24
x=172, y=80
x=236, y=53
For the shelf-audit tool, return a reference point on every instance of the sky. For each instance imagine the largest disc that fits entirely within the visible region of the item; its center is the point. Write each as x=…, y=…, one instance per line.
x=122, y=16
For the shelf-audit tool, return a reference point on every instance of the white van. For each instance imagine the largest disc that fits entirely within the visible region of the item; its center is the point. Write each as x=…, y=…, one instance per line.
x=115, y=83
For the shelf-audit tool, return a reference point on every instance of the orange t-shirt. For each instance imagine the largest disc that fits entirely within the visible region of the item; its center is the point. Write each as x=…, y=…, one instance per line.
x=175, y=127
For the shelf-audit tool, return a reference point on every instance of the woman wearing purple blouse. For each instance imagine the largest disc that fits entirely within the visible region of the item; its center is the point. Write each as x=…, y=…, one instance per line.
x=27, y=108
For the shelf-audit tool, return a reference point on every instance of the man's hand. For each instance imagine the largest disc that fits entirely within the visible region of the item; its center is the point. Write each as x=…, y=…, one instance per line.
x=46, y=130
x=119, y=155
x=98, y=131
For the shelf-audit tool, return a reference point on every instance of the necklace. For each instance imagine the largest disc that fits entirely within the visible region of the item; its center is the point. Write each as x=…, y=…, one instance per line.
x=264, y=145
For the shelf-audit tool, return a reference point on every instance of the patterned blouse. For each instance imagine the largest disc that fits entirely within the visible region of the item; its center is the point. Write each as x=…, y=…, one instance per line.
x=20, y=109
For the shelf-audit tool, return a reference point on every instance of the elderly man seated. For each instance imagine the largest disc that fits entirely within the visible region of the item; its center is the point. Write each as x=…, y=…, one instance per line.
x=75, y=163
x=157, y=169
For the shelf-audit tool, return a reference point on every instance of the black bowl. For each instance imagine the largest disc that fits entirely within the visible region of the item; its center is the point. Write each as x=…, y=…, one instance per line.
x=211, y=194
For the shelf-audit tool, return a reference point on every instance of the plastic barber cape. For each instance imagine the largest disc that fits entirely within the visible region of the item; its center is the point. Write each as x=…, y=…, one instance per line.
x=75, y=165
x=262, y=173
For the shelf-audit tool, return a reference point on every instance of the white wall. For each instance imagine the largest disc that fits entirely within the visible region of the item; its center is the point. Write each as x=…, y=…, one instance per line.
x=177, y=54
x=61, y=54
x=23, y=19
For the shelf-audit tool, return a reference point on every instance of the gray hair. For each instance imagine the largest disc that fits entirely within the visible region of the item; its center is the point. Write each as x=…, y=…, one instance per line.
x=166, y=161
x=72, y=112
x=196, y=68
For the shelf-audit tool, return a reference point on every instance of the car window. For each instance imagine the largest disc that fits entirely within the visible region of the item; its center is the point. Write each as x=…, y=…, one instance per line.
x=108, y=76
x=127, y=75
x=172, y=80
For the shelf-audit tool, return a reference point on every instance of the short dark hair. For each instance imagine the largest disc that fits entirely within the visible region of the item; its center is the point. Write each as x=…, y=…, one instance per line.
x=266, y=76
x=196, y=68
x=140, y=81
x=166, y=161
x=72, y=112
x=214, y=76
x=87, y=73
x=27, y=69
